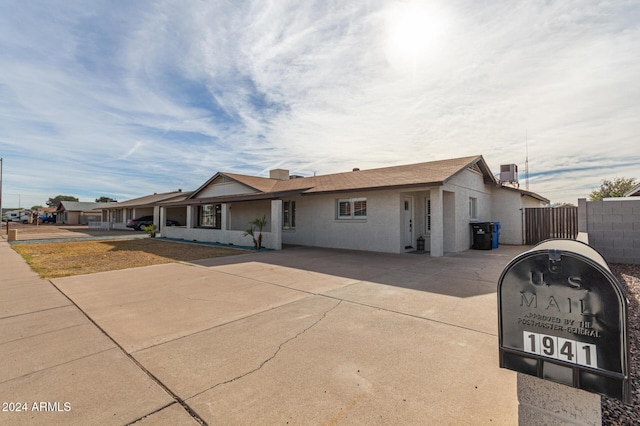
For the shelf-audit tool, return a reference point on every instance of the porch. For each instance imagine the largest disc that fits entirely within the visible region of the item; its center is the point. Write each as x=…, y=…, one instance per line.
x=226, y=223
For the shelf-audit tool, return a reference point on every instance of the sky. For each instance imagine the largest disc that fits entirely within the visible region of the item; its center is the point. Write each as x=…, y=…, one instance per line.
x=124, y=99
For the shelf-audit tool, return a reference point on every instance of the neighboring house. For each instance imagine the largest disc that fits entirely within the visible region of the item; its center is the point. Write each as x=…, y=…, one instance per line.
x=47, y=212
x=77, y=212
x=117, y=214
x=633, y=192
x=383, y=210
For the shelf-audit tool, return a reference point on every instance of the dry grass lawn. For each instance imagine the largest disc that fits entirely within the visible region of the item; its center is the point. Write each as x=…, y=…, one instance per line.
x=62, y=259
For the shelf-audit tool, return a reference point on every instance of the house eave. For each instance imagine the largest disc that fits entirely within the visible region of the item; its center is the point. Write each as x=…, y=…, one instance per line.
x=233, y=198
x=377, y=188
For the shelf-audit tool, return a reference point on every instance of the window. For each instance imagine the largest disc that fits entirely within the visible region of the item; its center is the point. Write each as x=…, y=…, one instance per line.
x=360, y=208
x=288, y=215
x=473, y=208
x=210, y=216
x=352, y=208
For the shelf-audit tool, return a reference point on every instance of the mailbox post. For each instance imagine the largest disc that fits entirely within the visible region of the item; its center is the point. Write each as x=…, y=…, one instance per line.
x=563, y=317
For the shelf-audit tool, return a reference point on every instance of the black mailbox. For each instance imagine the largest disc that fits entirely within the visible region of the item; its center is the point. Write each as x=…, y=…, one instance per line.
x=562, y=316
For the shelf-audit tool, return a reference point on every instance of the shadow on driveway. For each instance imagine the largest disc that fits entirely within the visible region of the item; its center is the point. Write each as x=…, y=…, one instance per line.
x=467, y=274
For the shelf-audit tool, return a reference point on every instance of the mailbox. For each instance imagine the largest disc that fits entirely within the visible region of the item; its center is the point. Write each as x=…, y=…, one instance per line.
x=562, y=316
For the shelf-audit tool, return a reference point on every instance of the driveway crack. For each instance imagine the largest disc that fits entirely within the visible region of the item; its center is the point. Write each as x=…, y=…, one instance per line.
x=263, y=363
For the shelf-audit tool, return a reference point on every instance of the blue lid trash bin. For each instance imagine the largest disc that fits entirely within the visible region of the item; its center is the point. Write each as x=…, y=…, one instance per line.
x=495, y=243
x=482, y=235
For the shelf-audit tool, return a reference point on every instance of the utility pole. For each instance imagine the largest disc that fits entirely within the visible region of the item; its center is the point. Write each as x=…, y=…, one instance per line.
x=526, y=162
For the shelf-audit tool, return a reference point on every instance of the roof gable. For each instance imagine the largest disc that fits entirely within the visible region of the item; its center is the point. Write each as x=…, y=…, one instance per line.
x=224, y=184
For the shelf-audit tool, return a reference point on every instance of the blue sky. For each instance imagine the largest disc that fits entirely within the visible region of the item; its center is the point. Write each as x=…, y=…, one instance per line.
x=123, y=99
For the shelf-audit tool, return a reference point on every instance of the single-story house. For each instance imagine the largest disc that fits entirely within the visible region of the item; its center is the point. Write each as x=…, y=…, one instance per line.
x=77, y=212
x=385, y=209
x=47, y=212
x=117, y=214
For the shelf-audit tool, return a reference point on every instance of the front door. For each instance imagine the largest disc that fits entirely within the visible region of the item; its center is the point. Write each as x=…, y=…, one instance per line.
x=408, y=222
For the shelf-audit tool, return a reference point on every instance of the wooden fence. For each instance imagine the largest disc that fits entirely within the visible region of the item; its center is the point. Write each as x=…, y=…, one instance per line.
x=542, y=223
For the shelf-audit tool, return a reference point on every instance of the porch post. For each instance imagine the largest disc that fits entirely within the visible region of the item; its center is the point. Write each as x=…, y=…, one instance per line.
x=156, y=218
x=276, y=223
x=189, y=216
x=224, y=220
x=437, y=222
x=161, y=219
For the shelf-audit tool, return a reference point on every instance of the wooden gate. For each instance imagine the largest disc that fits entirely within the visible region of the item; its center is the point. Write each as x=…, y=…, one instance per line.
x=542, y=223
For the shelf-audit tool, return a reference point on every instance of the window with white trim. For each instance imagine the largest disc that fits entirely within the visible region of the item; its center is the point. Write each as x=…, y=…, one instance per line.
x=210, y=216
x=288, y=215
x=352, y=208
x=473, y=208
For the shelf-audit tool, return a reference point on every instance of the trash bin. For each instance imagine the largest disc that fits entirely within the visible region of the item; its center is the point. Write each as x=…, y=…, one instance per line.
x=482, y=235
x=496, y=235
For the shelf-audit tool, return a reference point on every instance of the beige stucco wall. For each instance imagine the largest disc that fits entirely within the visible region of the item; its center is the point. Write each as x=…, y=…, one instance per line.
x=458, y=190
x=317, y=223
x=240, y=214
x=72, y=218
x=507, y=207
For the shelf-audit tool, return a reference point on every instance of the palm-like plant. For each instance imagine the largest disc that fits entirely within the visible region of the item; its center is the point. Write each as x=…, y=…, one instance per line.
x=259, y=223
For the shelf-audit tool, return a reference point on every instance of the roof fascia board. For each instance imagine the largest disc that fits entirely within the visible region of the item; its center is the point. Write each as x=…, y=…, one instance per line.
x=524, y=193
x=232, y=198
x=413, y=186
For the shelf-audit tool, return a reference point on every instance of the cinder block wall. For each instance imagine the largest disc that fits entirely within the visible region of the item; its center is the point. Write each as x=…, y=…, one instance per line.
x=613, y=227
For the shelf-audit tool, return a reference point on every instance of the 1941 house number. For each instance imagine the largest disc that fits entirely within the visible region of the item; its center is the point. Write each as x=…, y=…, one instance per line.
x=563, y=349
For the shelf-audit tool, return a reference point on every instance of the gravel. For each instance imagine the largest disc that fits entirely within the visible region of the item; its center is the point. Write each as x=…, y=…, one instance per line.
x=615, y=412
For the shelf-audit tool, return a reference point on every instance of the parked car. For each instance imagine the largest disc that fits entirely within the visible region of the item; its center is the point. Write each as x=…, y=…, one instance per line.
x=144, y=221
x=47, y=219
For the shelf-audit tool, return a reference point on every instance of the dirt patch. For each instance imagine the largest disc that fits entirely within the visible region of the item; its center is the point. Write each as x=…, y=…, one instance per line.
x=62, y=259
x=36, y=229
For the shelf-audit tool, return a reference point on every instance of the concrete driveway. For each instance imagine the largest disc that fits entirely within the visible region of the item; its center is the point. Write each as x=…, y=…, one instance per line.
x=299, y=336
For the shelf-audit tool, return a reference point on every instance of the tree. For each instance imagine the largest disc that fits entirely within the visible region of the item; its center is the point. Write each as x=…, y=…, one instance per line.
x=55, y=201
x=38, y=207
x=615, y=188
x=104, y=199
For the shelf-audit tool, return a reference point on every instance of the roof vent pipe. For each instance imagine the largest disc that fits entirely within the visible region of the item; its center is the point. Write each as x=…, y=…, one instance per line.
x=356, y=169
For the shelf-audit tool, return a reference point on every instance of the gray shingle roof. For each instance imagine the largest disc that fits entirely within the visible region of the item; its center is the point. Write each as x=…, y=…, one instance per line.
x=81, y=206
x=150, y=200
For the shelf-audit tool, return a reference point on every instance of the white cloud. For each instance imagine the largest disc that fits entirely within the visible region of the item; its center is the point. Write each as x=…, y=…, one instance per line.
x=166, y=94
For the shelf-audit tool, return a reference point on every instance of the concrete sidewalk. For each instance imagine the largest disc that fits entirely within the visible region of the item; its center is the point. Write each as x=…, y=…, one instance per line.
x=58, y=367
x=299, y=336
